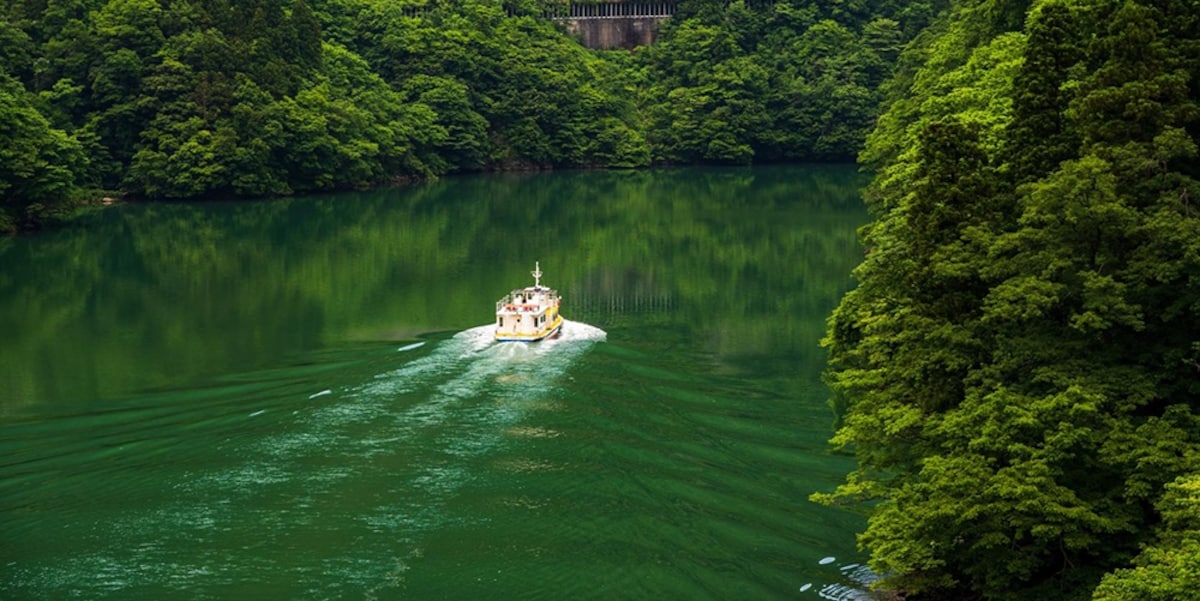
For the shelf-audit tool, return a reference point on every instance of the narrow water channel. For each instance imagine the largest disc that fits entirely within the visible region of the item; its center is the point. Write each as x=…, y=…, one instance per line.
x=302, y=399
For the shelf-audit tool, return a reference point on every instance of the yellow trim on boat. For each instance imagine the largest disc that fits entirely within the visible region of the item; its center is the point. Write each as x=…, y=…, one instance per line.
x=557, y=323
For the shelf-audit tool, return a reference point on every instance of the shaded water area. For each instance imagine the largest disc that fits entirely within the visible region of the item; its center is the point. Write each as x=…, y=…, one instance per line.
x=301, y=398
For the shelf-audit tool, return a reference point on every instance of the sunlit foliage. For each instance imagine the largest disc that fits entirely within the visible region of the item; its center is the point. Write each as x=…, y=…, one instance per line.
x=1019, y=369
x=212, y=98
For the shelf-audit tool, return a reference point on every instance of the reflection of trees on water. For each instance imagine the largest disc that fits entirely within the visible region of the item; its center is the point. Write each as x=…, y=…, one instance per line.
x=151, y=295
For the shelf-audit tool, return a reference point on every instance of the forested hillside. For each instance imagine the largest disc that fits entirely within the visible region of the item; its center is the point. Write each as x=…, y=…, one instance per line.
x=216, y=98
x=1019, y=368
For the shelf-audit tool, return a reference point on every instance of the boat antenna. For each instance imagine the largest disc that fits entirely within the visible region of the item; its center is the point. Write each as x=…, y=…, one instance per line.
x=537, y=274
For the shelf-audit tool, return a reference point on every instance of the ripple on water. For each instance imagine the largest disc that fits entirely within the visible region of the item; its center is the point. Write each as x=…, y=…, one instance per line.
x=443, y=446
x=856, y=584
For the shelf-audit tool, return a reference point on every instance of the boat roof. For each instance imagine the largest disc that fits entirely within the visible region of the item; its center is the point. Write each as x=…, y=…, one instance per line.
x=531, y=291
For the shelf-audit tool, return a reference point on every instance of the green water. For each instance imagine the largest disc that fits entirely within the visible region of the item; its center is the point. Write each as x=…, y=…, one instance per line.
x=299, y=399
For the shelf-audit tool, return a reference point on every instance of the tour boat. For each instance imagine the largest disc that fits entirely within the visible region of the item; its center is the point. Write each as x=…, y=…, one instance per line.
x=529, y=314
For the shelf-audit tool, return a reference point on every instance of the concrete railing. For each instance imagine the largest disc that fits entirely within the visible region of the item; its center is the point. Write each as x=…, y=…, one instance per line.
x=612, y=10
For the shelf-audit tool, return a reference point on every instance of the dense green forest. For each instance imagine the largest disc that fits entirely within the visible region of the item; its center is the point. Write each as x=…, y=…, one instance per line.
x=1019, y=369
x=214, y=98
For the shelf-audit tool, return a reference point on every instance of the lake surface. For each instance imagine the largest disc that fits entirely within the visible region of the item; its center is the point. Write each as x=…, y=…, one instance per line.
x=300, y=399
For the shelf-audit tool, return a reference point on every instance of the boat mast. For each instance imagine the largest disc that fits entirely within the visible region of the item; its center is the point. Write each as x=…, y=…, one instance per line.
x=537, y=274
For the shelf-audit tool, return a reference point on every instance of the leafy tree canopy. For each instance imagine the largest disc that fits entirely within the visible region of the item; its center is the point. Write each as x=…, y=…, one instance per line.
x=1019, y=369
x=212, y=98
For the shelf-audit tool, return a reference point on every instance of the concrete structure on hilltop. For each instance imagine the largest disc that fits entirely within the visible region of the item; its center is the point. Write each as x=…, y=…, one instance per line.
x=609, y=25
x=598, y=25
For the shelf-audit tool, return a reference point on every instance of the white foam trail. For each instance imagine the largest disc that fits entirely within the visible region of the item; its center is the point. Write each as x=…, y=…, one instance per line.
x=459, y=395
x=409, y=347
x=445, y=357
x=468, y=347
x=861, y=576
x=495, y=384
x=481, y=362
x=483, y=387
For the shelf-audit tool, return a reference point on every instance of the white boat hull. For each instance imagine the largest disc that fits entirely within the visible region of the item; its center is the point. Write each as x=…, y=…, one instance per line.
x=549, y=333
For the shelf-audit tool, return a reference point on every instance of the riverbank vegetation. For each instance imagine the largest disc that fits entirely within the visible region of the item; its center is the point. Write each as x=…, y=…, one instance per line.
x=209, y=98
x=1019, y=368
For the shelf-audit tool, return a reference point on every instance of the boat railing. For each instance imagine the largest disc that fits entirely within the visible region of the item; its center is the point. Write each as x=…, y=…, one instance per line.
x=511, y=302
x=509, y=305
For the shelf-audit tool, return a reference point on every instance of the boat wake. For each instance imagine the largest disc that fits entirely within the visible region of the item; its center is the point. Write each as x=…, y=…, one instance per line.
x=431, y=419
x=376, y=460
x=478, y=359
x=854, y=584
x=458, y=392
